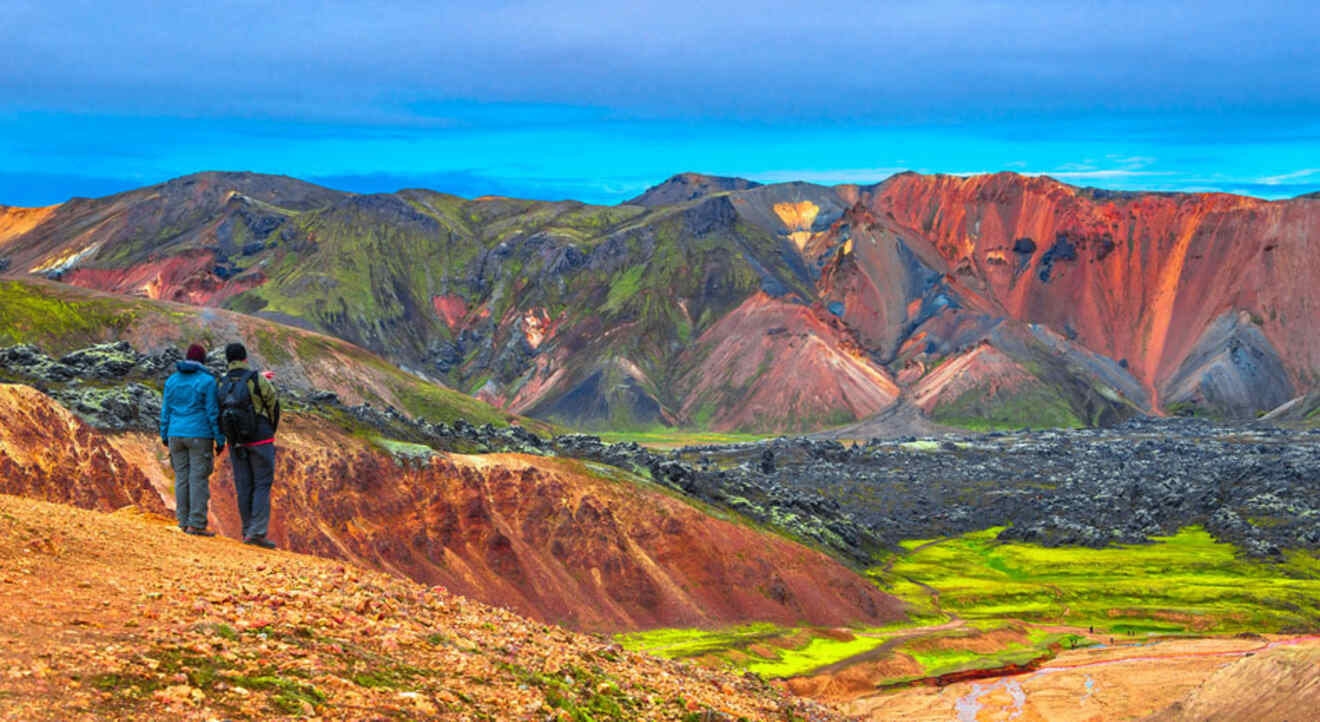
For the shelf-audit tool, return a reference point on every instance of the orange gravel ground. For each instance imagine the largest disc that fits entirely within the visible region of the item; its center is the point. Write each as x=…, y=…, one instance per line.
x=122, y=616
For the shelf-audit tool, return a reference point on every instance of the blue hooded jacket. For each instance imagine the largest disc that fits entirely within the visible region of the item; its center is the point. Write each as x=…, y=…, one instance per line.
x=190, y=408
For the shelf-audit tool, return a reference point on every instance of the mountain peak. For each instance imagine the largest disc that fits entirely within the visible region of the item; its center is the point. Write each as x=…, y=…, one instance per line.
x=281, y=190
x=689, y=186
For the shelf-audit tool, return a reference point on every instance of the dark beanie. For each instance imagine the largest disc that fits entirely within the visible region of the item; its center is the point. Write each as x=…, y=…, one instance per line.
x=196, y=353
x=235, y=352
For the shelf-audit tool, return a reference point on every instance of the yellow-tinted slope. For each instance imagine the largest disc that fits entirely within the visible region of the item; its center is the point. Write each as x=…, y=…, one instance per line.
x=14, y=222
x=798, y=217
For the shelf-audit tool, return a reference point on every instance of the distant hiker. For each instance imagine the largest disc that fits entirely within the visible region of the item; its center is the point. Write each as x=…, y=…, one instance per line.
x=249, y=415
x=188, y=428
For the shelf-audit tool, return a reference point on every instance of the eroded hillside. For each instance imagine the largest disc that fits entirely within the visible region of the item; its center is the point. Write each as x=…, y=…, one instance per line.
x=120, y=616
x=580, y=544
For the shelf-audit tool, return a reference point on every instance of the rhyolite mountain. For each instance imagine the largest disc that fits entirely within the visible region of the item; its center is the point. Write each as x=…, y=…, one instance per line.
x=994, y=300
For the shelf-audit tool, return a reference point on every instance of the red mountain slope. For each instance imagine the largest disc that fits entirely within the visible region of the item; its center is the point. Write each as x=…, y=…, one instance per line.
x=1138, y=277
x=48, y=453
x=547, y=538
x=775, y=359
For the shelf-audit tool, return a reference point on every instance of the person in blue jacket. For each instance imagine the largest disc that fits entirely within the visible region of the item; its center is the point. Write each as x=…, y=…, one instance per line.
x=188, y=428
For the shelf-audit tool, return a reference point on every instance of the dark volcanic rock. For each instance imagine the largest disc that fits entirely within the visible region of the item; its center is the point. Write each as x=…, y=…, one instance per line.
x=1062, y=250
x=130, y=407
x=106, y=361
x=709, y=216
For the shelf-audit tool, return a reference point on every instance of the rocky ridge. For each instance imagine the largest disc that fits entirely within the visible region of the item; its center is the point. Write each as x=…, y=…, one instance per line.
x=48, y=453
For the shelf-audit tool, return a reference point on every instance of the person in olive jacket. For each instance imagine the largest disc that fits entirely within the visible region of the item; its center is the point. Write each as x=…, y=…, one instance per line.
x=188, y=429
x=253, y=457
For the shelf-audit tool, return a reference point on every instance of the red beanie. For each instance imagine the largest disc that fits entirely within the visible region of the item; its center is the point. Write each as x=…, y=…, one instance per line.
x=196, y=353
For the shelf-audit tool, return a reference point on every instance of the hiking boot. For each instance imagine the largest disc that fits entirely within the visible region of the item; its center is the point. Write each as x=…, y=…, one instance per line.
x=260, y=541
x=198, y=531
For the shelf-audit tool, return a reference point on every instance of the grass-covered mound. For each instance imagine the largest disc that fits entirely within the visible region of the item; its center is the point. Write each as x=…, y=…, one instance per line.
x=60, y=318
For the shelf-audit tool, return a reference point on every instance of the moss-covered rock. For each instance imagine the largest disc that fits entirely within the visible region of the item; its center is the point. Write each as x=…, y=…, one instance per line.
x=126, y=407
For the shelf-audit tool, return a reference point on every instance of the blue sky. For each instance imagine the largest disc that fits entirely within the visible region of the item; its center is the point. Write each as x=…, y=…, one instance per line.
x=598, y=100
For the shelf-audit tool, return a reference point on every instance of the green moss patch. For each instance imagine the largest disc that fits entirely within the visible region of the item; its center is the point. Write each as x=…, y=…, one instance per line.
x=58, y=324
x=1186, y=583
x=1035, y=406
x=584, y=694
x=767, y=649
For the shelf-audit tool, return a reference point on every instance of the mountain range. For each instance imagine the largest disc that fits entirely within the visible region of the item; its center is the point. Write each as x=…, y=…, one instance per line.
x=991, y=301
x=707, y=304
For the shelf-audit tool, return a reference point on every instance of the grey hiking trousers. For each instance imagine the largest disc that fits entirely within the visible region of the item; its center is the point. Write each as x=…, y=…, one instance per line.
x=254, y=472
x=192, y=460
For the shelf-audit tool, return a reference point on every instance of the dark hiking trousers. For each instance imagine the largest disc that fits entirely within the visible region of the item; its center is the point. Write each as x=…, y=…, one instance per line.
x=192, y=460
x=254, y=472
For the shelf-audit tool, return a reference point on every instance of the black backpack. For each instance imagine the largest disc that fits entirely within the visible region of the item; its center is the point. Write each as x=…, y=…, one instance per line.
x=238, y=416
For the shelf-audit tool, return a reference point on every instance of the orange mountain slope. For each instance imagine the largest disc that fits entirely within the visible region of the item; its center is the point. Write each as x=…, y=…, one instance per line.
x=118, y=616
x=555, y=540
x=15, y=222
x=48, y=453
x=1138, y=277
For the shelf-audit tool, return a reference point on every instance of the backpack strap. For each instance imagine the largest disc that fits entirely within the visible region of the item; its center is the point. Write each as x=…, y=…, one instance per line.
x=245, y=377
x=254, y=393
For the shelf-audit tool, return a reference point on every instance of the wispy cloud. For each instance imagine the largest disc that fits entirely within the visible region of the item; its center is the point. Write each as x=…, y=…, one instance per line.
x=1288, y=178
x=1109, y=173
x=1130, y=161
x=470, y=183
x=861, y=176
